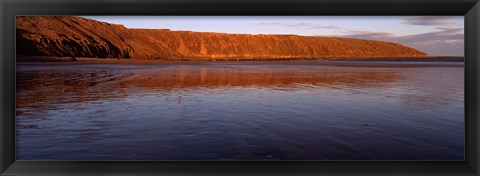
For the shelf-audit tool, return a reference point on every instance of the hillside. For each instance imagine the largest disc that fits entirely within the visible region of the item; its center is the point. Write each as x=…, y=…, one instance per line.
x=75, y=36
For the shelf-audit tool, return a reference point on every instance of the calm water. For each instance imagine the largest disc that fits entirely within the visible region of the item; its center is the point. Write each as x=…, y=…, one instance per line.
x=241, y=111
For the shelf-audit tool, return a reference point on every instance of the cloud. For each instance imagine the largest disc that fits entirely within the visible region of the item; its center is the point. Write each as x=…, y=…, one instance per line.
x=446, y=42
x=368, y=35
x=428, y=20
x=301, y=25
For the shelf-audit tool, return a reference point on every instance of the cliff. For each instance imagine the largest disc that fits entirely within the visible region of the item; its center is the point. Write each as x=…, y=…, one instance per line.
x=79, y=37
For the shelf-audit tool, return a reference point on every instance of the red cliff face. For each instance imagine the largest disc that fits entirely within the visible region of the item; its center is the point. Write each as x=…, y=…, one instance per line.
x=75, y=36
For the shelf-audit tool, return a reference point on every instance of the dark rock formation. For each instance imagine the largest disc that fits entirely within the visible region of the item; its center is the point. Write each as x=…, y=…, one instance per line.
x=78, y=37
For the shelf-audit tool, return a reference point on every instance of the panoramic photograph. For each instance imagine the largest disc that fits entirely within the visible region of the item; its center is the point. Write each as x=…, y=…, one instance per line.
x=240, y=88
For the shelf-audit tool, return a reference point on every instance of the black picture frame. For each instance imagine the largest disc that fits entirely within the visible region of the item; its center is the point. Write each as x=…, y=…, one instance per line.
x=11, y=8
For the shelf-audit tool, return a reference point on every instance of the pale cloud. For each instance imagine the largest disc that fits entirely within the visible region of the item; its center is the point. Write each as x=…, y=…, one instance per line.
x=428, y=20
x=367, y=35
x=301, y=25
x=447, y=42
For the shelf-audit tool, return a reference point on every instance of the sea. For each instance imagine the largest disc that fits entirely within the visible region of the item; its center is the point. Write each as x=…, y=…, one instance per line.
x=240, y=110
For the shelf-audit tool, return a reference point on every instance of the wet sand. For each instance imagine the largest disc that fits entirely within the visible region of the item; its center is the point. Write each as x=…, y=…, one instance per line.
x=252, y=110
x=431, y=59
x=354, y=63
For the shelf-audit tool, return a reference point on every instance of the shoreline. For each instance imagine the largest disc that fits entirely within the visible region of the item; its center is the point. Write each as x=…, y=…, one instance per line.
x=337, y=59
x=338, y=63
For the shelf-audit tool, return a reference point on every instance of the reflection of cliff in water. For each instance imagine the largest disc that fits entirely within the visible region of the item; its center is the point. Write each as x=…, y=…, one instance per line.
x=42, y=89
x=182, y=78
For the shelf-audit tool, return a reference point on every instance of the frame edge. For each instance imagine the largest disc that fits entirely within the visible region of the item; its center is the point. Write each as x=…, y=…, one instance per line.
x=7, y=125
x=7, y=50
x=472, y=80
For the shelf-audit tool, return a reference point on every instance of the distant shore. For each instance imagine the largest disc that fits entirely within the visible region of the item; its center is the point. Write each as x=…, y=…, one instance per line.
x=127, y=60
x=339, y=63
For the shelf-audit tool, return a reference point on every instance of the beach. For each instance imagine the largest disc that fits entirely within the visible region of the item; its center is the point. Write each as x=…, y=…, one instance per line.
x=248, y=110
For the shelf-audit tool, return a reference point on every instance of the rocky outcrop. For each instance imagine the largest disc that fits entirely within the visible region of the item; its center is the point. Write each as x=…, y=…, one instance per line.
x=79, y=37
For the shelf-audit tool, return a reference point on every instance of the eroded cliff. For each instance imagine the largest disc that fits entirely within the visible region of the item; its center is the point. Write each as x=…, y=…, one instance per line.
x=79, y=37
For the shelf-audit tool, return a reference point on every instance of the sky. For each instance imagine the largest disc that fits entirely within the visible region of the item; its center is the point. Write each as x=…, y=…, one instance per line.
x=434, y=35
